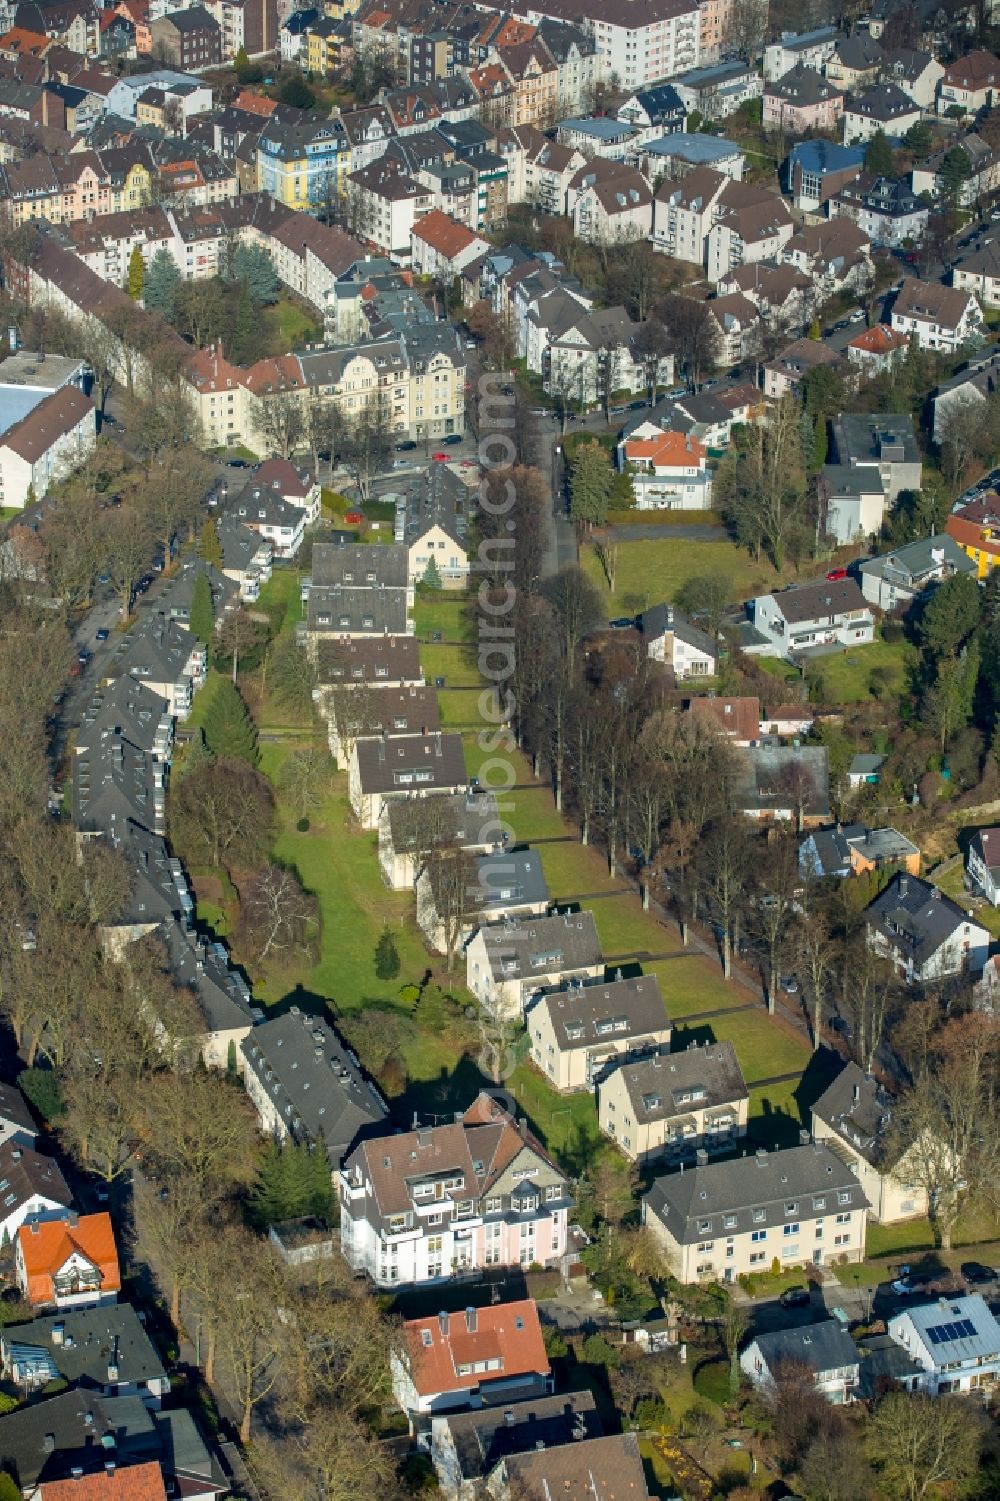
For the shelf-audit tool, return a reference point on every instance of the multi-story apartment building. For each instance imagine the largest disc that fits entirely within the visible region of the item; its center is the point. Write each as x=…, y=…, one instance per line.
x=507, y=963
x=579, y=1030
x=640, y=41
x=450, y=1200
x=854, y=1115
x=303, y=163
x=190, y=38
x=719, y=1220
x=667, y=1107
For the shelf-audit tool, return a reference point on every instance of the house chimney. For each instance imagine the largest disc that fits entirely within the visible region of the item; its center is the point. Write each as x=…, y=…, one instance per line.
x=857, y=1095
x=471, y=1320
x=804, y=1138
x=443, y=1324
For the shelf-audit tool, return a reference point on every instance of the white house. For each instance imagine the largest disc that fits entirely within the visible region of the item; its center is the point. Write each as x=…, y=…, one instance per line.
x=507, y=963
x=825, y=1349
x=855, y=501
x=432, y=522
x=669, y=472
x=982, y=864
x=476, y=1358
x=832, y=612
x=672, y=639
x=940, y=318
x=579, y=1030
x=970, y=84
x=885, y=107
x=388, y=766
x=854, y=1113
x=31, y=1188
x=955, y=1341
x=924, y=934
x=48, y=443
x=441, y=246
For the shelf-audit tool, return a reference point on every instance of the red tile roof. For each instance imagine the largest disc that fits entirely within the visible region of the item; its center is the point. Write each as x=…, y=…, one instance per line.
x=443, y=233
x=46, y=1246
x=143, y=1482
x=507, y=1332
x=669, y=450
x=739, y=717
x=878, y=340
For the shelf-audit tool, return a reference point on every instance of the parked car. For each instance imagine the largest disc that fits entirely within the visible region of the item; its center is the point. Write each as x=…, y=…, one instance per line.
x=975, y=1273
x=103, y=633
x=406, y=447
x=238, y=464
x=353, y=518
x=857, y=316
x=789, y=984
x=451, y=439
x=836, y=573
x=440, y=458
x=622, y=623
x=795, y=1297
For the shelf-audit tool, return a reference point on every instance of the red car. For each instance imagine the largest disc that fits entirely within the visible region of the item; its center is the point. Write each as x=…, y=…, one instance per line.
x=354, y=518
x=836, y=573
x=440, y=458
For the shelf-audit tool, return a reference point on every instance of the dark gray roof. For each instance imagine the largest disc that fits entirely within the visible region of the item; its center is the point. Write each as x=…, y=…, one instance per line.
x=671, y=1084
x=156, y=648
x=369, y=659
x=220, y=991
x=124, y=707
x=158, y=890
x=176, y=596
x=469, y=820
x=80, y=1344
x=660, y=619
x=509, y=878
x=14, y=1111
x=885, y=102
x=561, y=941
x=583, y=1012
x=439, y=498
x=195, y=18
x=863, y=437
x=411, y=763
x=818, y=601
x=770, y=776
x=755, y=1191
x=260, y=505
x=76, y=1430
x=313, y=1080
x=802, y=86
x=859, y=52
x=25, y=1173
x=411, y=709
x=854, y=480
x=115, y=784
x=826, y=1346
x=914, y=916
x=358, y=610
x=882, y=1362
x=361, y=565
x=858, y=1109
x=481, y=1439
x=238, y=543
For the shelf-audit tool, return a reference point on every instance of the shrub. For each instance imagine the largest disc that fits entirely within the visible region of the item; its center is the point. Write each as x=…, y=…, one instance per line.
x=651, y=1413
x=8, y=1402
x=554, y=1340
x=598, y=1351
x=711, y=1381
x=41, y=1087
x=303, y=825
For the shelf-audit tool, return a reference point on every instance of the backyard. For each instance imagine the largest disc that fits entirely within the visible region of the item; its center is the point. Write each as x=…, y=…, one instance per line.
x=651, y=570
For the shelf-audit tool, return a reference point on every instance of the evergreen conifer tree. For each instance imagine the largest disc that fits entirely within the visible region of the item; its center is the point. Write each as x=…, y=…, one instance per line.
x=386, y=956
x=136, y=274
x=202, y=618
x=431, y=578
x=161, y=280
x=229, y=730
x=321, y=1183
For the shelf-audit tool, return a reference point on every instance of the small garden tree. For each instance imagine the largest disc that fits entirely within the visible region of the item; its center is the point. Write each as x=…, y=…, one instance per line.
x=386, y=956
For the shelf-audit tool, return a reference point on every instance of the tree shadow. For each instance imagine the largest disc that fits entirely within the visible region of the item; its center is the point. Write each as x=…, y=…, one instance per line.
x=439, y=1099
x=307, y=1001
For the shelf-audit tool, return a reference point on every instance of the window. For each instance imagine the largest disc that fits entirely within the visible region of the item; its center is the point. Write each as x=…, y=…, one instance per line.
x=756, y=1257
x=844, y=1198
x=758, y=1235
x=791, y=1208
x=758, y=1216
x=843, y=1219
x=729, y=1221
x=706, y=1245
x=791, y=1229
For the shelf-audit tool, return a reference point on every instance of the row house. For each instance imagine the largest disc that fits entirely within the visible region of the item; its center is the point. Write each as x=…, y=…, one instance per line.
x=385, y=204
x=45, y=446
x=466, y=821
x=303, y=162
x=756, y=229
x=782, y=295
x=369, y=131
x=834, y=256
x=450, y=1200
x=386, y=767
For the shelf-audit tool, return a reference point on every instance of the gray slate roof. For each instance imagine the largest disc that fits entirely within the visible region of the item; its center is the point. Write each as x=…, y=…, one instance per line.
x=770, y=776
x=915, y=917
x=858, y=1109
x=362, y=609
x=469, y=820
x=671, y=1083
x=314, y=1081
x=481, y=1439
x=520, y=947
x=915, y=562
x=25, y=1173
x=439, y=498
x=238, y=543
x=755, y=1191
x=76, y=1430
x=123, y=707
x=80, y=1344
x=221, y=992
x=175, y=598
x=660, y=619
x=587, y=1012
x=518, y=872
x=826, y=1346
x=156, y=648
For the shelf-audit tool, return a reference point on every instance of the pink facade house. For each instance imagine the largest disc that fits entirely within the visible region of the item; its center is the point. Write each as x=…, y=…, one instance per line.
x=448, y=1201
x=802, y=101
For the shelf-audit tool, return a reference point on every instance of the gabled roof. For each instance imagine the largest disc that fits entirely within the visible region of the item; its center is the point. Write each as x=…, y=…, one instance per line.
x=390, y=763
x=916, y=917
x=46, y=1246
x=518, y=948
x=46, y=423
x=878, y=340
x=987, y=843
x=671, y=1084
x=509, y=1333
x=821, y=1347
x=141, y=1482
x=976, y=70
x=80, y=1343
x=578, y=1471
x=482, y=1438
x=929, y=300
x=737, y=717
x=583, y=1012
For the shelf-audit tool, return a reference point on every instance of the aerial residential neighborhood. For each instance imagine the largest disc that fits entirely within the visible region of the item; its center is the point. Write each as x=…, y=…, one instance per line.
x=500, y=728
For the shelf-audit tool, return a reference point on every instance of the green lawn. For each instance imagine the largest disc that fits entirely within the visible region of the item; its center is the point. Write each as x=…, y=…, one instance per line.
x=448, y=613
x=651, y=571
x=280, y=598
x=459, y=708
x=778, y=668
x=456, y=664
x=571, y=871
x=951, y=883
x=774, y=1115
x=288, y=325
x=563, y=1122
x=853, y=676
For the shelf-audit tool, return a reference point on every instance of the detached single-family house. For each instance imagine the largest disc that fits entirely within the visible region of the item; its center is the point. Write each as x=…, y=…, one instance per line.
x=669, y=472
x=441, y=247
x=825, y=1349
x=68, y=1262
x=610, y=1467
x=886, y=208
x=103, y=1349
x=400, y=766
x=31, y=1188
x=17, y=1124
x=423, y=1205
x=940, y=318
x=579, y=1029
x=782, y=783
x=894, y=579
x=969, y=84
x=672, y=639
x=916, y=73
x=720, y=1219
x=924, y=934
x=955, y=1342
x=466, y=1447
x=854, y=1114
x=736, y=718
x=668, y=1107
x=481, y=1357
x=877, y=349
x=982, y=864
x=784, y=374
x=832, y=612
x=852, y=849
x=295, y=485
x=507, y=963
x=506, y=883
x=409, y=828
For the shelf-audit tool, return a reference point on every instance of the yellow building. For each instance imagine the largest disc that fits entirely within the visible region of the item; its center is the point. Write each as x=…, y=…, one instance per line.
x=303, y=164
x=327, y=43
